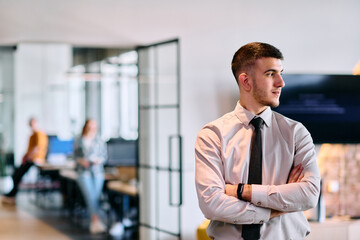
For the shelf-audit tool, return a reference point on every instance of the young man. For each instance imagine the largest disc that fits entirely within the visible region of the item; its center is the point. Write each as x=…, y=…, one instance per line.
x=272, y=207
x=35, y=154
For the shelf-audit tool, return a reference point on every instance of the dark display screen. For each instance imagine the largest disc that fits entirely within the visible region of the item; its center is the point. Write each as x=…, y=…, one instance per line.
x=327, y=105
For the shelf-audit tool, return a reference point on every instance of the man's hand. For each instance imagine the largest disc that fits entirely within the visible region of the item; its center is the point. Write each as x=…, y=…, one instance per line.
x=275, y=213
x=231, y=190
x=296, y=174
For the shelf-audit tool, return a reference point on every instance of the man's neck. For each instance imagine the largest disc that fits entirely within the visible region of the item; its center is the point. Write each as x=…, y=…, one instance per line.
x=257, y=110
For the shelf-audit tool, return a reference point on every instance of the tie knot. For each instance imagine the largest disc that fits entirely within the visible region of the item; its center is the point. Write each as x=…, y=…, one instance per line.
x=257, y=123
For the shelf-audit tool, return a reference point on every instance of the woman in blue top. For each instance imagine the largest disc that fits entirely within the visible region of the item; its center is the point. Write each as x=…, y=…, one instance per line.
x=90, y=154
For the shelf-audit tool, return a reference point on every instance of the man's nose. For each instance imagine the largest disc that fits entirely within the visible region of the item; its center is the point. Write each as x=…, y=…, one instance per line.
x=280, y=81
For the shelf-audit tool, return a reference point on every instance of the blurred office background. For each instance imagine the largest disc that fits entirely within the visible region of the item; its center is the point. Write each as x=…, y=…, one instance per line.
x=65, y=61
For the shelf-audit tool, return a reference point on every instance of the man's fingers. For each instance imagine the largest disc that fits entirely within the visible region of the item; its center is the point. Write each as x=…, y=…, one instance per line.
x=295, y=174
x=295, y=171
x=300, y=178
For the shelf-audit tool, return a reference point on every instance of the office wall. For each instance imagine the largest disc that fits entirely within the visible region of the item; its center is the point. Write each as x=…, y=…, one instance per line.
x=314, y=36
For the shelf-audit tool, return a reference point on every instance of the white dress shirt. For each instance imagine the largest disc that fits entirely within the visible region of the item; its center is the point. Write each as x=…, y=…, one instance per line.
x=222, y=155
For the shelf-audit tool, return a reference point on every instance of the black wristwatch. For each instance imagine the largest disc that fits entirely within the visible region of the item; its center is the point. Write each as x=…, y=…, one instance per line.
x=240, y=190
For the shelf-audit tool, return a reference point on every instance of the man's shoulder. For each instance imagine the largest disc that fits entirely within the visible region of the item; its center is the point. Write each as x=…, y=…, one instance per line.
x=283, y=119
x=288, y=124
x=218, y=125
x=224, y=120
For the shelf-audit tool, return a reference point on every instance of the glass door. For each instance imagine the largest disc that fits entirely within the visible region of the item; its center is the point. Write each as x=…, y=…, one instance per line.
x=6, y=111
x=160, y=163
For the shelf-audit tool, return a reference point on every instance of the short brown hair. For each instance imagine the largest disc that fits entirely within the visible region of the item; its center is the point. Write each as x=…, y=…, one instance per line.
x=246, y=56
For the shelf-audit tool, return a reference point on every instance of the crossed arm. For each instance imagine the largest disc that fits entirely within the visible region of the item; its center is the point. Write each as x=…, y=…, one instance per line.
x=218, y=200
x=295, y=176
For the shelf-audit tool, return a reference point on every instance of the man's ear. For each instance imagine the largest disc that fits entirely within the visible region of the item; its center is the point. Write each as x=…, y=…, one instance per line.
x=243, y=80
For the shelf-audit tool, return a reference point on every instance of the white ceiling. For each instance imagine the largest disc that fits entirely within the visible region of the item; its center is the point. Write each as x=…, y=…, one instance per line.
x=99, y=23
x=205, y=27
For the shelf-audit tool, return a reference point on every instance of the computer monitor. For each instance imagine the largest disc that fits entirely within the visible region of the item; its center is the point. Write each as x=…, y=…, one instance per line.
x=59, y=150
x=122, y=153
x=60, y=146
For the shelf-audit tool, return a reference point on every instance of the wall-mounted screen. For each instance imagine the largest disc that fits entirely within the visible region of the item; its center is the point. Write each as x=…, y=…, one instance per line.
x=328, y=105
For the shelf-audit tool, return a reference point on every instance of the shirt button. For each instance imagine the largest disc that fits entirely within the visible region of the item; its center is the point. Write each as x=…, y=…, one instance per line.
x=259, y=203
x=285, y=207
x=262, y=221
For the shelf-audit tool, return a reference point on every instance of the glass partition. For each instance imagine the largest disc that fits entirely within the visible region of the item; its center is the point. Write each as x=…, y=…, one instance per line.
x=6, y=109
x=106, y=91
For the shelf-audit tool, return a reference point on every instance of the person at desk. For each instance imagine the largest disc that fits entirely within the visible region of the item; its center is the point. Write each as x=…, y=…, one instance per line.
x=90, y=154
x=35, y=154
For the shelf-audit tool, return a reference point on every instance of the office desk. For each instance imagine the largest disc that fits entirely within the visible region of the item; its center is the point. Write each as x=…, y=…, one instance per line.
x=68, y=174
x=49, y=166
x=71, y=174
x=123, y=199
x=121, y=195
x=49, y=182
x=122, y=188
x=73, y=200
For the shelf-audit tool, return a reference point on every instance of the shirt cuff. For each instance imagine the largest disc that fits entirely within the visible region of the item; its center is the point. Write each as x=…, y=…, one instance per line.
x=262, y=215
x=259, y=195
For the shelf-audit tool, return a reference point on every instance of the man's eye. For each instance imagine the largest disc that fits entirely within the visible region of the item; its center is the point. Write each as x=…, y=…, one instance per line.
x=270, y=74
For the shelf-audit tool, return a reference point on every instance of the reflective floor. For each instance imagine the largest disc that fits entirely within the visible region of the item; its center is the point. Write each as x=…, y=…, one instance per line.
x=34, y=218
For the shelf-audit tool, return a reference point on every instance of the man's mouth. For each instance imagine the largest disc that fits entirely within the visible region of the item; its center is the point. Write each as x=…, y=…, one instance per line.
x=277, y=93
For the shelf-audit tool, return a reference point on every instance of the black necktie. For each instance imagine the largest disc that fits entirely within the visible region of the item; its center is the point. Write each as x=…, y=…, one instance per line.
x=252, y=231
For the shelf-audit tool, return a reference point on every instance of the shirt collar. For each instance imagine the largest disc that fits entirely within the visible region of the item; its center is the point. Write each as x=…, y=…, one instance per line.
x=246, y=116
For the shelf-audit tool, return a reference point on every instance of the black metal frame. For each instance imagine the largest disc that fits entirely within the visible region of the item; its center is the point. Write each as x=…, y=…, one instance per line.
x=170, y=169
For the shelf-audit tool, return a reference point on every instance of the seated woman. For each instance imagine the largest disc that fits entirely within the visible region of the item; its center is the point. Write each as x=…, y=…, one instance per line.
x=90, y=154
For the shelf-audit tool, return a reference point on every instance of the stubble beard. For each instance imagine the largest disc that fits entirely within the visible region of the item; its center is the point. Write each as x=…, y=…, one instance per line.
x=260, y=97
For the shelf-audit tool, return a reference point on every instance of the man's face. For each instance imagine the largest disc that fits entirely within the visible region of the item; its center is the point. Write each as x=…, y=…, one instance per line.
x=267, y=81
